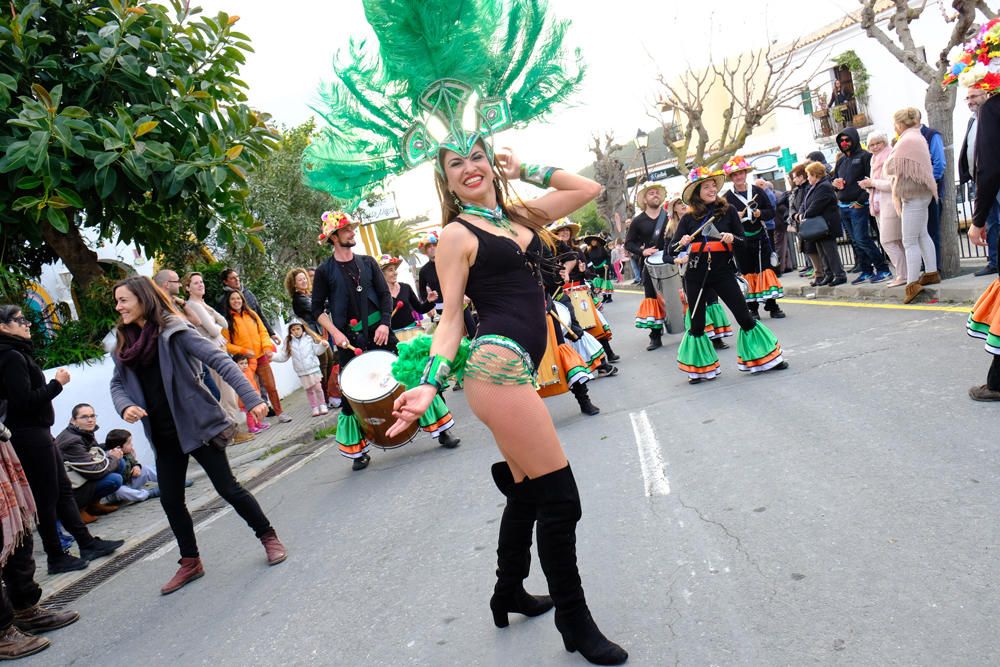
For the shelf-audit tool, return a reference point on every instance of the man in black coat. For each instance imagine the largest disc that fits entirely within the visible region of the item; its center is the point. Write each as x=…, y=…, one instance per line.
x=642, y=241
x=975, y=98
x=853, y=165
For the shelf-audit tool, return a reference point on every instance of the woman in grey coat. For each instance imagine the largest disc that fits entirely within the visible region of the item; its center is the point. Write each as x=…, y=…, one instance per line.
x=158, y=360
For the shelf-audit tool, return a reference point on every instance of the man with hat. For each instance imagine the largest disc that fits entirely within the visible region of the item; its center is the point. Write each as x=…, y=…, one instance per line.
x=599, y=262
x=645, y=237
x=427, y=282
x=352, y=303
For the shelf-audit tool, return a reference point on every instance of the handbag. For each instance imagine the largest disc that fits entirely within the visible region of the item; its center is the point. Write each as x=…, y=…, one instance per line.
x=225, y=437
x=814, y=229
x=97, y=456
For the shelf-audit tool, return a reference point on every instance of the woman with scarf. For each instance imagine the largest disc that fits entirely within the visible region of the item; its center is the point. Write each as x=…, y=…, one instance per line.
x=155, y=381
x=299, y=288
x=29, y=417
x=890, y=227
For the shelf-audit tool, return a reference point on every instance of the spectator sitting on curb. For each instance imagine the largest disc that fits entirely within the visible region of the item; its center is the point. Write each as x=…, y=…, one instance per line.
x=93, y=477
x=135, y=474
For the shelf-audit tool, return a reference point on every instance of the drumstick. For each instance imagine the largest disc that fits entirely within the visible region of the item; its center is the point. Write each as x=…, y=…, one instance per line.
x=569, y=331
x=677, y=246
x=399, y=304
x=347, y=345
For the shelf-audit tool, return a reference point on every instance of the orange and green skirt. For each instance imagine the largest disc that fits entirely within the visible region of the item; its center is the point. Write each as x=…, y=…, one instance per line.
x=437, y=419
x=763, y=286
x=697, y=357
x=717, y=324
x=651, y=314
x=757, y=350
x=984, y=320
x=351, y=442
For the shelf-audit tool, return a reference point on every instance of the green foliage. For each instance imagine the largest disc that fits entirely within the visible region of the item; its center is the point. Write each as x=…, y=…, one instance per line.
x=589, y=219
x=324, y=433
x=859, y=73
x=125, y=117
x=397, y=237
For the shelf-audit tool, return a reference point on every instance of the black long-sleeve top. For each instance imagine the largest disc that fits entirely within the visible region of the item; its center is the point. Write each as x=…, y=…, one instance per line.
x=728, y=221
x=29, y=396
x=987, y=168
x=411, y=302
x=598, y=255
x=640, y=235
x=763, y=203
x=427, y=278
x=332, y=293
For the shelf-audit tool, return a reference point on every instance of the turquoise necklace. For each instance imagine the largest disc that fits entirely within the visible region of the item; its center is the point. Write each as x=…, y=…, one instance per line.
x=495, y=216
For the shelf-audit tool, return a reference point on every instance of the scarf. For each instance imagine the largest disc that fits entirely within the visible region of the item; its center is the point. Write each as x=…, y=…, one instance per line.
x=22, y=345
x=878, y=162
x=17, y=505
x=910, y=161
x=140, y=345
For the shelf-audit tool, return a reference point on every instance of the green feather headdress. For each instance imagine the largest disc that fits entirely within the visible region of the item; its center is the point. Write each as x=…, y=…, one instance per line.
x=446, y=74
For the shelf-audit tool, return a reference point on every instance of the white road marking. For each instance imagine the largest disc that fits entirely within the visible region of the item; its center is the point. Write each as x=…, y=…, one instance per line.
x=654, y=468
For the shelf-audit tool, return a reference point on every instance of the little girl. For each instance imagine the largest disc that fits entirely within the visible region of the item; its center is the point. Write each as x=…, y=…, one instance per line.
x=304, y=348
x=253, y=424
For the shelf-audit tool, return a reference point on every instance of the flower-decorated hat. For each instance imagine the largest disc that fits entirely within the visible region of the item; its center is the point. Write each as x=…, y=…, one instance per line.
x=640, y=196
x=976, y=64
x=735, y=165
x=564, y=223
x=698, y=176
x=385, y=261
x=428, y=239
x=333, y=222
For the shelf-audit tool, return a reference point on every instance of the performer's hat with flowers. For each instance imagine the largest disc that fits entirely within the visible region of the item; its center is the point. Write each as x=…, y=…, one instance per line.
x=385, y=261
x=640, y=196
x=976, y=64
x=698, y=176
x=736, y=164
x=428, y=239
x=564, y=223
x=333, y=222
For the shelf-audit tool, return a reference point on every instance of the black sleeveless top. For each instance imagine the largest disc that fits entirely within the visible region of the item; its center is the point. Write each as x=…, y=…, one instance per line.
x=505, y=287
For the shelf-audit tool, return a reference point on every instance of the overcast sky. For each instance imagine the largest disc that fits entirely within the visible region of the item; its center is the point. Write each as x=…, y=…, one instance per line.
x=624, y=43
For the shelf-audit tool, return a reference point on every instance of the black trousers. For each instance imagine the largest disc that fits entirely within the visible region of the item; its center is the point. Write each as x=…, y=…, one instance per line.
x=171, y=469
x=19, y=590
x=53, y=492
x=993, y=377
x=648, y=289
x=721, y=280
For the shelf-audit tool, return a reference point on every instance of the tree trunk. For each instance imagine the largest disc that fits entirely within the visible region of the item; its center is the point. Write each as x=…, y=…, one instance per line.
x=73, y=251
x=940, y=105
x=610, y=173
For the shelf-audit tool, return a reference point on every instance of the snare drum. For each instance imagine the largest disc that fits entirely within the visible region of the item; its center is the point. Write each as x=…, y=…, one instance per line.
x=583, y=306
x=666, y=279
x=408, y=333
x=367, y=384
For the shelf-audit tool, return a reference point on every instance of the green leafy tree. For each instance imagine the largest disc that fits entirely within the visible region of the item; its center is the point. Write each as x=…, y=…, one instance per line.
x=126, y=118
x=397, y=237
x=589, y=219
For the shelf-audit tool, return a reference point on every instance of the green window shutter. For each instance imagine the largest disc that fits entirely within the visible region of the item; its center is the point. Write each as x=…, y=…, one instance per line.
x=807, y=104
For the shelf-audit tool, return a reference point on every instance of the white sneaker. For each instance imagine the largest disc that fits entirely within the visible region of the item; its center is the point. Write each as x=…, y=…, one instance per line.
x=316, y=412
x=323, y=410
x=284, y=419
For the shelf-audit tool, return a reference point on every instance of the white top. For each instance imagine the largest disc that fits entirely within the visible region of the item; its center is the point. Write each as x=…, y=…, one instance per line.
x=211, y=322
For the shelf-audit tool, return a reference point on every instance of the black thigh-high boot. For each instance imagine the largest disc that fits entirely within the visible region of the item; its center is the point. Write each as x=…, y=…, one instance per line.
x=514, y=553
x=579, y=390
x=558, y=506
x=612, y=357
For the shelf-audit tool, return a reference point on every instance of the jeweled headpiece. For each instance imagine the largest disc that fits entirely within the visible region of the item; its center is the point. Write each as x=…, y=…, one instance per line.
x=445, y=75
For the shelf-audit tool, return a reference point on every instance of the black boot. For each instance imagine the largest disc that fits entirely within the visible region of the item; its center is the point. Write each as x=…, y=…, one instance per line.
x=655, y=341
x=719, y=344
x=514, y=553
x=579, y=390
x=446, y=440
x=612, y=357
x=558, y=507
x=754, y=308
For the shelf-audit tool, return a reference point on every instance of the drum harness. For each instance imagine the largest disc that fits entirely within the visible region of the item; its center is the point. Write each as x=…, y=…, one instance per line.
x=705, y=228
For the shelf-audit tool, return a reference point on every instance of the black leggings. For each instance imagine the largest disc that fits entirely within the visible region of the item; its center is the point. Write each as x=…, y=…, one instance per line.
x=171, y=469
x=51, y=488
x=723, y=282
x=993, y=377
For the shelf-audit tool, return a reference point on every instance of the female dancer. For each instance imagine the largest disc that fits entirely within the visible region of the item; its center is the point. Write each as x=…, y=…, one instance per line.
x=599, y=261
x=152, y=382
x=493, y=255
x=708, y=263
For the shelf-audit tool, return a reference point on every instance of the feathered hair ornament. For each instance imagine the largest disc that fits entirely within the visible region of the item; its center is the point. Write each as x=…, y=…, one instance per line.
x=444, y=75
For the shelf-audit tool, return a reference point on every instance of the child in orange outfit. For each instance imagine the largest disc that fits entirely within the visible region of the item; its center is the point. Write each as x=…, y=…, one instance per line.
x=253, y=424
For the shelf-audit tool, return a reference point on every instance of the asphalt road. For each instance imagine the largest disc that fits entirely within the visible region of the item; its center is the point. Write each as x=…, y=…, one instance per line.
x=841, y=512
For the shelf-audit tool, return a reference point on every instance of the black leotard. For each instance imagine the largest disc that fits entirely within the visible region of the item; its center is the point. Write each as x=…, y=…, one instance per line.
x=505, y=288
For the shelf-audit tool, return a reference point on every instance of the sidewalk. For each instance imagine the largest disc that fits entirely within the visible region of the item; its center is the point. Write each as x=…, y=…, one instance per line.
x=963, y=289
x=137, y=522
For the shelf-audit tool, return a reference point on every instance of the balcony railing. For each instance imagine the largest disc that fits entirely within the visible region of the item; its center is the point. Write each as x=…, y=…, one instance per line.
x=828, y=121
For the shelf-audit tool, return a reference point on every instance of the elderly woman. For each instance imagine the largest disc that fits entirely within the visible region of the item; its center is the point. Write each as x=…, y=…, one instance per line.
x=890, y=227
x=820, y=200
x=913, y=188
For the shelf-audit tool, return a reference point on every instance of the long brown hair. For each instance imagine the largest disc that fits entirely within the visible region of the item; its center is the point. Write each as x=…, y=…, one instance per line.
x=699, y=209
x=157, y=307
x=290, y=280
x=245, y=309
x=450, y=209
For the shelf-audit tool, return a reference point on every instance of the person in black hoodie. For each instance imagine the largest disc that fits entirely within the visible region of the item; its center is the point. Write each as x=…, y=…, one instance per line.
x=29, y=417
x=853, y=165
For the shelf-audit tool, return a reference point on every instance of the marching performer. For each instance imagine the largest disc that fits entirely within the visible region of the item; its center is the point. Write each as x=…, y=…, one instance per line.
x=753, y=257
x=405, y=300
x=599, y=263
x=427, y=281
x=351, y=301
x=460, y=63
x=645, y=237
x=708, y=256
x=571, y=369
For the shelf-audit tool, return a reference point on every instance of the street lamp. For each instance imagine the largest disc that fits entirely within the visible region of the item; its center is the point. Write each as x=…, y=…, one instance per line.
x=641, y=141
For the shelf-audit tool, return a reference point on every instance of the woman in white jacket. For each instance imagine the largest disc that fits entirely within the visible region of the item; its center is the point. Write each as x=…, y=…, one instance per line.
x=890, y=225
x=305, y=348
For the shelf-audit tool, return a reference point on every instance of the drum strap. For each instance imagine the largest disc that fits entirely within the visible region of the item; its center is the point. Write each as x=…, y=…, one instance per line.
x=658, y=229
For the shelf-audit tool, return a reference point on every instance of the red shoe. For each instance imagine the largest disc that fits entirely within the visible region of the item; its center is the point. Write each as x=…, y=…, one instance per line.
x=190, y=570
x=274, y=548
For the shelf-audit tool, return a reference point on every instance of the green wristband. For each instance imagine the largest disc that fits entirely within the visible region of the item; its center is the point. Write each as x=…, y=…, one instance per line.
x=537, y=174
x=436, y=372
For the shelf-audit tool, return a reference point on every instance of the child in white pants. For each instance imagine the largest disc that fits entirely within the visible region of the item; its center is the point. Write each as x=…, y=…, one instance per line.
x=136, y=475
x=304, y=348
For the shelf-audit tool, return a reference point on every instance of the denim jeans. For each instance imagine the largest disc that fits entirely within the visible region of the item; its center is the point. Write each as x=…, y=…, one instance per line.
x=209, y=383
x=110, y=483
x=869, y=256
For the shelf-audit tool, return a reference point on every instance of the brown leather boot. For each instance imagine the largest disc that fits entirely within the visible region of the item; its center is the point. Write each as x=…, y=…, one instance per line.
x=912, y=290
x=274, y=548
x=15, y=644
x=87, y=517
x=932, y=278
x=100, y=509
x=40, y=619
x=190, y=570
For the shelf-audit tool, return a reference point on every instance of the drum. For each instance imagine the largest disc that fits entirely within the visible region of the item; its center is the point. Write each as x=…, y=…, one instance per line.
x=744, y=285
x=583, y=306
x=550, y=381
x=408, y=333
x=367, y=384
x=667, y=281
